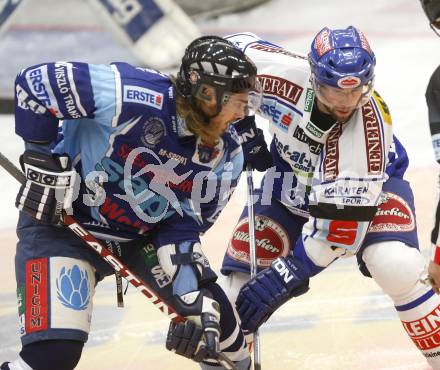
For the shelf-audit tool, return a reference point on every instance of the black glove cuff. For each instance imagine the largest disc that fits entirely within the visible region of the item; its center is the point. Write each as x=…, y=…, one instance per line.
x=245, y=124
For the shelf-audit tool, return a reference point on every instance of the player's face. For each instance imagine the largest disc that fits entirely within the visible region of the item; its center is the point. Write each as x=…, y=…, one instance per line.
x=235, y=108
x=340, y=103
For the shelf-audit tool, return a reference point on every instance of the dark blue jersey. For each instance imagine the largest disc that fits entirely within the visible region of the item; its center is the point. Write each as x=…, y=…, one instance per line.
x=140, y=167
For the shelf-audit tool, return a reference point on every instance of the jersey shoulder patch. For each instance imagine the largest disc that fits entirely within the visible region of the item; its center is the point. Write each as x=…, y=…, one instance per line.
x=383, y=108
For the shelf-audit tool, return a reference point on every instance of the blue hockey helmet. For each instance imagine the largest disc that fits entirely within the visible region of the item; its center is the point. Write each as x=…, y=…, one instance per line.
x=342, y=58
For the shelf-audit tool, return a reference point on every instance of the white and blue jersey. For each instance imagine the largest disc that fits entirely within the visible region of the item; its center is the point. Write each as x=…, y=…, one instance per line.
x=333, y=181
x=139, y=165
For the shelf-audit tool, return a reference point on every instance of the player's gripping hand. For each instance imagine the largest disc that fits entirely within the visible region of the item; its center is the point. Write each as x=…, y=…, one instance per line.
x=48, y=188
x=269, y=289
x=255, y=151
x=198, y=337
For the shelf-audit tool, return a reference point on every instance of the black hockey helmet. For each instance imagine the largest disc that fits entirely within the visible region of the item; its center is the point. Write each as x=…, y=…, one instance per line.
x=432, y=11
x=216, y=62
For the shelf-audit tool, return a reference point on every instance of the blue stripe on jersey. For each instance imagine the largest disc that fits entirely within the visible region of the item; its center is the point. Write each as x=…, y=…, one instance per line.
x=415, y=303
x=104, y=93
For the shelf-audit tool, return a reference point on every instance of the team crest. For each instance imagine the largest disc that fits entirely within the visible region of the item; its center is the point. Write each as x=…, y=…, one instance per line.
x=153, y=131
x=208, y=155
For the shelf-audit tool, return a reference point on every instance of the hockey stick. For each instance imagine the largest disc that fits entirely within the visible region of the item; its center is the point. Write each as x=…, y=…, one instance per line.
x=117, y=265
x=253, y=256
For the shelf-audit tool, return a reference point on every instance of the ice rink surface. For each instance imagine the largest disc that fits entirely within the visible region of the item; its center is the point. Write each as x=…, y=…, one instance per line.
x=344, y=322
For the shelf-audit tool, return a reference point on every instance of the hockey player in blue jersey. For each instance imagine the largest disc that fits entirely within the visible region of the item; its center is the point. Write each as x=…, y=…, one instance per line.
x=336, y=190
x=145, y=162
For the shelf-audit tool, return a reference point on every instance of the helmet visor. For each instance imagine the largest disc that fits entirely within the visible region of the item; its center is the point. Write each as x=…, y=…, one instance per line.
x=343, y=99
x=246, y=103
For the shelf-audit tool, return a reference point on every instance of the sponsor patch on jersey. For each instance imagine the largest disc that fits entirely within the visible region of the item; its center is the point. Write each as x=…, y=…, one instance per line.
x=348, y=194
x=24, y=102
x=21, y=303
x=310, y=98
x=279, y=115
x=142, y=95
x=349, y=82
x=68, y=90
x=171, y=155
x=36, y=296
x=425, y=332
x=383, y=107
x=314, y=146
x=373, y=139
x=38, y=81
x=72, y=286
x=277, y=86
x=149, y=255
x=393, y=215
x=300, y=161
x=314, y=130
x=272, y=241
x=331, y=159
x=152, y=131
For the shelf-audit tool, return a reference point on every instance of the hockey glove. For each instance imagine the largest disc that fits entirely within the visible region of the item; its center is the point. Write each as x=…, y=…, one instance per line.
x=269, y=289
x=189, y=270
x=48, y=188
x=197, y=338
x=255, y=150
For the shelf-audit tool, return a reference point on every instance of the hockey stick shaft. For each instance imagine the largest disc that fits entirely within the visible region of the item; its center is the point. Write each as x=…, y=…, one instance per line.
x=117, y=265
x=253, y=256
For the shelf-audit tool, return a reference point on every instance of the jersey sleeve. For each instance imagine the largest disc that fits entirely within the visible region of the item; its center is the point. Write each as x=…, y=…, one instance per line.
x=433, y=102
x=48, y=93
x=397, y=159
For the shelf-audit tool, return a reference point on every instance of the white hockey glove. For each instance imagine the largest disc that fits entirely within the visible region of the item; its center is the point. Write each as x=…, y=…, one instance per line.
x=48, y=188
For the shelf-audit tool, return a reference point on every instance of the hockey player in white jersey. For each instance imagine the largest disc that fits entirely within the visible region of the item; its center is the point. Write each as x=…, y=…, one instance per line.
x=336, y=190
